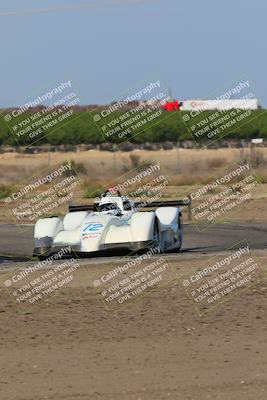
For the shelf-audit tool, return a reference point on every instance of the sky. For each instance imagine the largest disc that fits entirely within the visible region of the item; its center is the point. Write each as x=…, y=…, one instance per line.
x=199, y=49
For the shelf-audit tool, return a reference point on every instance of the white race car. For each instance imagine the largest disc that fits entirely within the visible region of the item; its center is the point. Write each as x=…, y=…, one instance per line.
x=114, y=222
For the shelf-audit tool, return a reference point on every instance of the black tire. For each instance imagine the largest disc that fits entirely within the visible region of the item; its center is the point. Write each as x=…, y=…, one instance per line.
x=180, y=227
x=156, y=233
x=41, y=252
x=42, y=258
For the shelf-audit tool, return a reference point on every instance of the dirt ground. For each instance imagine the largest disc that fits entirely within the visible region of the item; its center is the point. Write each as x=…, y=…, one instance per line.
x=157, y=348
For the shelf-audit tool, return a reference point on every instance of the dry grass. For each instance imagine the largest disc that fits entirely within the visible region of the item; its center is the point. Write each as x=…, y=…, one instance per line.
x=185, y=167
x=102, y=165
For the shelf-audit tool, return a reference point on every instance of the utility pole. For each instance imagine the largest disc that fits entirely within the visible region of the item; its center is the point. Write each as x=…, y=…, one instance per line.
x=170, y=93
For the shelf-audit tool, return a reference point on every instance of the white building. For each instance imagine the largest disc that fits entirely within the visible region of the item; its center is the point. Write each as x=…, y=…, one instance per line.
x=203, y=105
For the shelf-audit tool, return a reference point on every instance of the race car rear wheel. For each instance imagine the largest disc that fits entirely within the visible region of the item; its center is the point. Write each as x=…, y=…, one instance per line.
x=41, y=252
x=180, y=232
x=156, y=233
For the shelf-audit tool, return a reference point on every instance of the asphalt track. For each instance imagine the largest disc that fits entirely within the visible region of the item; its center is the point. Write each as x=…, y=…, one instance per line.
x=16, y=242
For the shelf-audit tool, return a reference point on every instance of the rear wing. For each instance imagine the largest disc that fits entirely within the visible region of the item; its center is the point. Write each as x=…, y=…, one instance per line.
x=163, y=203
x=86, y=207
x=138, y=205
x=167, y=203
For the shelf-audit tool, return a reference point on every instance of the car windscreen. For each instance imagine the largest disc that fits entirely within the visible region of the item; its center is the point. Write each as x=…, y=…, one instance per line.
x=107, y=207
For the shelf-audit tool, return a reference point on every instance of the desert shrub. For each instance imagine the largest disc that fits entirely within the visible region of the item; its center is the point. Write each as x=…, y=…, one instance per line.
x=217, y=162
x=91, y=192
x=185, y=180
x=135, y=162
x=76, y=167
x=254, y=157
x=261, y=176
x=257, y=158
x=5, y=191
